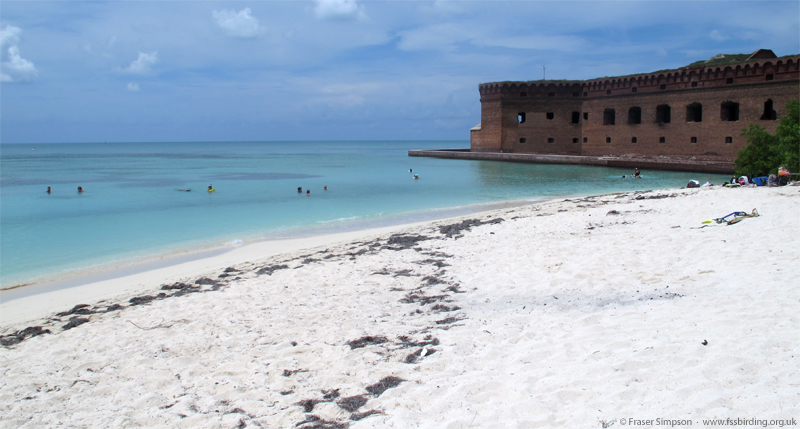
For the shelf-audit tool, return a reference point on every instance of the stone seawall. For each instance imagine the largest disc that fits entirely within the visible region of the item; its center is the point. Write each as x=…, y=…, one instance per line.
x=651, y=163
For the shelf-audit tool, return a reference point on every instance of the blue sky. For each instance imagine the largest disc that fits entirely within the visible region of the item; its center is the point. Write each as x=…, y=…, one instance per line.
x=332, y=69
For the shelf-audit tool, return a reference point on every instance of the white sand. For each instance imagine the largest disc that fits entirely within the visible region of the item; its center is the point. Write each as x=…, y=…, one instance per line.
x=569, y=317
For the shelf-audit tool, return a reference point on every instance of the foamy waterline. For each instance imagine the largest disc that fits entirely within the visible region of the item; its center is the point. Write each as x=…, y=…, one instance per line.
x=128, y=264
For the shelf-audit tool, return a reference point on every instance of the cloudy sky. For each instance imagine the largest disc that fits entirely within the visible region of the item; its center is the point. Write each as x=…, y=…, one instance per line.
x=76, y=71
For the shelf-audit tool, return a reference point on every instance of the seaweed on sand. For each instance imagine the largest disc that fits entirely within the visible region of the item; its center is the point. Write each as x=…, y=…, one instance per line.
x=352, y=403
x=73, y=322
x=437, y=262
x=20, y=336
x=318, y=423
x=358, y=416
x=78, y=309
x=449, y=320
x=411, y=298
x=465, y=225
x=268, y=270
x=308, y=404
x=404, y=241
x=363, y=341
x=433, y=280
x=440, y=308
x=385, y=384
x=427, y=341
x=414, y=357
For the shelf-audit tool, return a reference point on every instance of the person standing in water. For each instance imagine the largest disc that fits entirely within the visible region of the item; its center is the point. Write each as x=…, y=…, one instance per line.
x=636, y=173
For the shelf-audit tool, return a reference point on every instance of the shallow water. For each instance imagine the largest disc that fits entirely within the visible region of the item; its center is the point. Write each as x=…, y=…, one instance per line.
x=132, y=210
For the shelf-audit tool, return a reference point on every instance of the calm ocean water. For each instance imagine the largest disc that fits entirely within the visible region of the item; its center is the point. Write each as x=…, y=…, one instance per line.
x=132, y=210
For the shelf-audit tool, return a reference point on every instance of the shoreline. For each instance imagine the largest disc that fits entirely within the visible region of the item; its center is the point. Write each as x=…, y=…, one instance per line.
x=138, y=265
x=557, y=314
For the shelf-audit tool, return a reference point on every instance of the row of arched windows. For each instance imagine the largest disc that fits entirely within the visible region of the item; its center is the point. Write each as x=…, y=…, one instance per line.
x=729, y=111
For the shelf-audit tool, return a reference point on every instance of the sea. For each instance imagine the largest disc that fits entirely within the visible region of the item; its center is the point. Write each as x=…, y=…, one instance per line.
x=146, y=201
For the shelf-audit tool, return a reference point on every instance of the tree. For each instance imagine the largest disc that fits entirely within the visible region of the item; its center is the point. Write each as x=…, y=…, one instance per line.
x=765, y=152
x=788, y=135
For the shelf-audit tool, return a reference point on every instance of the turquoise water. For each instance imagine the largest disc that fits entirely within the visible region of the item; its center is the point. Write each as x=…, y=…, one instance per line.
x=131, y=209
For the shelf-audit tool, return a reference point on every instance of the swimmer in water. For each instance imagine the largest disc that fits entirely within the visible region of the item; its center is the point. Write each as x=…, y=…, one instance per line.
x=48, y=189
x=299, y=189
x=80, y=190
x=416, y=176
x=308, y=192
x=326, y=187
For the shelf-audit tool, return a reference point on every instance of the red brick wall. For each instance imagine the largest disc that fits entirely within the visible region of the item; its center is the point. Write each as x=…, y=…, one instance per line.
x=749, y=84
x=710, y=132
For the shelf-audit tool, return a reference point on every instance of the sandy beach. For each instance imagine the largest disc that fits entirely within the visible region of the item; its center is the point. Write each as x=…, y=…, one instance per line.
x=613, y=310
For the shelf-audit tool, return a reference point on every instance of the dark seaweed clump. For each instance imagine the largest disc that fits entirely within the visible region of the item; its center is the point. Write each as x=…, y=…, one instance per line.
x=465, y=225
x=271, y=269
x=385, y=384
x=404, y=241
x=352, y=403
x=20, y=336
x=314, y=422
x=363, y=341
x=73, y=322
x=78, y=309
x=414, y=357
x=358, y=416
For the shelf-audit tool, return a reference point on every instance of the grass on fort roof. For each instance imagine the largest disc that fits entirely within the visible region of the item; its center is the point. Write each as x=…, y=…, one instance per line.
x=721, y=60
x=716, y=60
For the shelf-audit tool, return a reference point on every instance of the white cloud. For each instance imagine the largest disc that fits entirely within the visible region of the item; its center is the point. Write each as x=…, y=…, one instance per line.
x=237, y=24
x=9, y=36
x=16, y=69
x=143, y=64
x=716, y=35
x=339, y=10
x=133, y=86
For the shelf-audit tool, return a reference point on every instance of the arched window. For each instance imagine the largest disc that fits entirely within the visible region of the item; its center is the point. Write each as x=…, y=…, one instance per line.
x=635, y=115
x=663, y=114
x=694, y=112
x=769, y=112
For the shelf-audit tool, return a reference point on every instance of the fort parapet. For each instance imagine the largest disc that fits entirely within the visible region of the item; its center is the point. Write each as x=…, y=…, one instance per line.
x=695, y=113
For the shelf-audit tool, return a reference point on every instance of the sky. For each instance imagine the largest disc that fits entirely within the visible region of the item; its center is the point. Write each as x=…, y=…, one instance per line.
x=161, y=71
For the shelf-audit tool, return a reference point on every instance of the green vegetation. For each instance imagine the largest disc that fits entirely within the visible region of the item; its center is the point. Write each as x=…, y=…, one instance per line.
x=766, y=152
